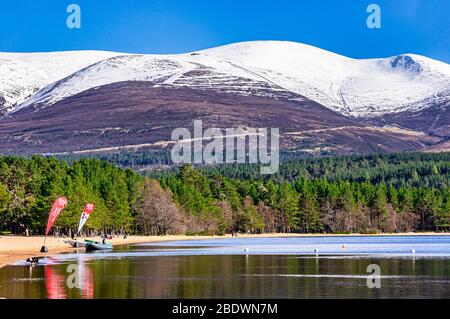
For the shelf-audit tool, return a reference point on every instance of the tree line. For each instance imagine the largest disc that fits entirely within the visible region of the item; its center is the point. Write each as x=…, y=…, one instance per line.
x=28, y=188
x=344, y=194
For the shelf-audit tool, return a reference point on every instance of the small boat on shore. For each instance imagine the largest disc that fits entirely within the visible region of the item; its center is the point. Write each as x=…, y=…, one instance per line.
x=76, y=244
x=93, y=246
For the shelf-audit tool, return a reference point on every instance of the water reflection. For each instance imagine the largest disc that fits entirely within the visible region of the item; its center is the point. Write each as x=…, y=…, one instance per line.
x=85, y=280
x=68, y=281
x=55, y=284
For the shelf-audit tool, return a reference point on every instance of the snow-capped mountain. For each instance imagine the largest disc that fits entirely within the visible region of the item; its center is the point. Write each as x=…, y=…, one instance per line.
x=23, y=74
x=323, y=103
x=359, y=88
x=354, y=87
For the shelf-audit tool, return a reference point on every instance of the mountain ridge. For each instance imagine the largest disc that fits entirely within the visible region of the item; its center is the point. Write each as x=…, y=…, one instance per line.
x=353, y=87
x=323, y=103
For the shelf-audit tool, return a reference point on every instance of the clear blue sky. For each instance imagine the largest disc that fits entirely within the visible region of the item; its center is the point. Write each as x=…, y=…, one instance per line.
x=173, y=26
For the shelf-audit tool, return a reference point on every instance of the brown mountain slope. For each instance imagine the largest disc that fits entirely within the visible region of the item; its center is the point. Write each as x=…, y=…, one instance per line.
x=138, y=113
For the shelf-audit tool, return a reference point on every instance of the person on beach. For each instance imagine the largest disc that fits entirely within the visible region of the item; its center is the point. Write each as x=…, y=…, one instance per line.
x=105, y=236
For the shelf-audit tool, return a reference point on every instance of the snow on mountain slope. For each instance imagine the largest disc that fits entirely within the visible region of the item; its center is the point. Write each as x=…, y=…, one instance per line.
x=354, y=87
x=195, y=71
x=22, y=74
x=362, y=88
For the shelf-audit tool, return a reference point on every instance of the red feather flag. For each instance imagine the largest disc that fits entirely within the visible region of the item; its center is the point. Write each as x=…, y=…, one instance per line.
x=88, y=209
x=57, y=208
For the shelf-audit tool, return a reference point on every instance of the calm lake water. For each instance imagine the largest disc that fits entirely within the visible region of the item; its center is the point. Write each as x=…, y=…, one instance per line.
x=242, y=268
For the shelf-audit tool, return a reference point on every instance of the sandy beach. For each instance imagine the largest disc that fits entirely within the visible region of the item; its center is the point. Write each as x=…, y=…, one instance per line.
x=13, y=248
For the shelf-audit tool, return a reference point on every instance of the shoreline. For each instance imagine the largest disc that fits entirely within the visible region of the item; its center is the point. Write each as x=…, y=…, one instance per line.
x=14, y=248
